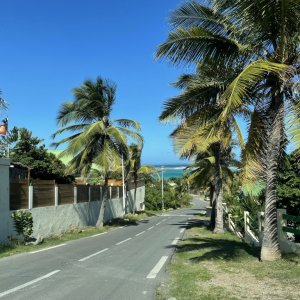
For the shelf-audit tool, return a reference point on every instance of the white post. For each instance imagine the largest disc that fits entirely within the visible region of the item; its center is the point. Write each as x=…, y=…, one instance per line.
x=30, y=197
x=246, y=221
x=75, y=194
x=162, y=188
x=110, y=192
x=90, y=194
x=123, y=185
x=56, y=195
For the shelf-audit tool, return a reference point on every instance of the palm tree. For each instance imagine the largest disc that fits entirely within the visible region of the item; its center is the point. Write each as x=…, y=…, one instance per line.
x=202, y=173
x=95, y=138
x=200, y=130
x=262, y=36
x=136, y=169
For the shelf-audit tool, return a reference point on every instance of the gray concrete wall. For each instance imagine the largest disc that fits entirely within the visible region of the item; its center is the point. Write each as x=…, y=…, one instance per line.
x=140, y=199
x=58, y=219
x=5, y=221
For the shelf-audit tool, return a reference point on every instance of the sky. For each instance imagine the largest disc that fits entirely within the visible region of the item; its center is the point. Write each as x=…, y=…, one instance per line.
x=48, y=47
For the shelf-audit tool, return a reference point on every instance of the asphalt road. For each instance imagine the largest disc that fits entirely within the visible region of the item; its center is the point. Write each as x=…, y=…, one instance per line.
x=126, y=263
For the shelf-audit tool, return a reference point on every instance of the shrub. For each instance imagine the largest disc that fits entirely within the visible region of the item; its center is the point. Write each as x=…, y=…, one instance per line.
x=23, y=223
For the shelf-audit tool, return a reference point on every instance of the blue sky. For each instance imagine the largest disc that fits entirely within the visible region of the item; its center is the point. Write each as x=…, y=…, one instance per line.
x=49, y=47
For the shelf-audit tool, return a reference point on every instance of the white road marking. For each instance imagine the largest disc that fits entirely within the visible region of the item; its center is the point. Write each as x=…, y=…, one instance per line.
x=98, y=234
x=94, y=254
x=153, y=273
x=123, y=241
x=158, y=223
x=182, y=230
x=163, y=220
x=150, y=228
x=140, y=233
x=121, y=226
x=17, y=288
x=45, y=249
x=176, y=240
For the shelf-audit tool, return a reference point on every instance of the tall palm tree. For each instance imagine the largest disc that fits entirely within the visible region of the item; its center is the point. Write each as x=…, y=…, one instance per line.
x=198, y=110
x=136, y=169
x=95, y=138
x=263, y=37
x=202, y=173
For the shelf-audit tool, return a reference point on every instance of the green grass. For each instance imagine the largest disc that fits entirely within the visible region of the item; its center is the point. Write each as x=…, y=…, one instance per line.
x=73, y=234
x=219, y=266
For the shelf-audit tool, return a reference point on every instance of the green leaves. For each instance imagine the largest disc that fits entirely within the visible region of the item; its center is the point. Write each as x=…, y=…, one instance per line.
x=96, y=139
x=23, y=223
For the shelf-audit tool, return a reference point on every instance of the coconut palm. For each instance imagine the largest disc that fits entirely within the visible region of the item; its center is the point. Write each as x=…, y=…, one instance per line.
x=200, y=131
x=95, y=138
x=202, y=173
x=136, y=169
x=263, y=37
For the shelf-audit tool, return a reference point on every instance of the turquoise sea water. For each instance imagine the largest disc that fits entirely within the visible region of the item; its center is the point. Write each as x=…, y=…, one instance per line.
x=170, y=171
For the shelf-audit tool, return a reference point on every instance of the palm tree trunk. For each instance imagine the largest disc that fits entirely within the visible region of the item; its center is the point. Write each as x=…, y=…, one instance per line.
x=219, y=224
x=135, y=188
x=211, y=194
x=100, y=221
x=270, y=249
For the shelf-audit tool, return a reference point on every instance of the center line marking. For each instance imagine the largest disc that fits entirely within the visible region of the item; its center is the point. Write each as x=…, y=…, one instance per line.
x=94, y=254
x=45, y=249
x=176, y=240
x=158, y=223
x=17, y=288
x=150, y=228
x=140, y=233
x=153, y=273
x=123, y=241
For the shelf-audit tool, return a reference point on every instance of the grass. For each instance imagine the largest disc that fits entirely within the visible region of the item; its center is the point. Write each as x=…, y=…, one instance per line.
x=72, y=234
x=219, y=266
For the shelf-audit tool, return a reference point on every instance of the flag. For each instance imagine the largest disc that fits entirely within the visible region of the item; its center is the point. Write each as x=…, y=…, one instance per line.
x=4, y=127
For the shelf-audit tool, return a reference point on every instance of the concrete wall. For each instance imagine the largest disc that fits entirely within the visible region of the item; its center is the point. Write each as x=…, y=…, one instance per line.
x=139, y=204
x=53, y=220
x=58, y=219
x=5, y=222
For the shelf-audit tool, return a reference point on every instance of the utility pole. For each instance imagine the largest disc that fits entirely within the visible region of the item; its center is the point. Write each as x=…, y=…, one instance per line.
x=162, y=188
x=123, y=185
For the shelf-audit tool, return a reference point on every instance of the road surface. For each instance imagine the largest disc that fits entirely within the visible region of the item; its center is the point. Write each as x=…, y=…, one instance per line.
x=126, y=263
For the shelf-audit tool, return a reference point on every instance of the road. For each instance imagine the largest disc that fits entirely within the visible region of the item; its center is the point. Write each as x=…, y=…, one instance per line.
x=126, y=263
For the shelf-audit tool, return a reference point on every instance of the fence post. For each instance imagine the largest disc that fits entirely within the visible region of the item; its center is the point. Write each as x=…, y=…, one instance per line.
x=75, y=194
x=90, y=194
x=246, y=221
x=56, y=195
x=110, y=192
x=118, y=189
x=30, y=197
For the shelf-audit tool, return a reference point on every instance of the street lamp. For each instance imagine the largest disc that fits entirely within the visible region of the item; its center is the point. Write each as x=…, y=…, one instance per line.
x=162, y=188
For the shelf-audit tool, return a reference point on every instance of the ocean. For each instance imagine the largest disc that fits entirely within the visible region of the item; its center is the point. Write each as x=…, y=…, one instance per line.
x=170, y=171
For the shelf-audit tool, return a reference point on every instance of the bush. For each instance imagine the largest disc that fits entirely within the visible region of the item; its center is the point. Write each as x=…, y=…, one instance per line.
x=173, y=198
x=23, y=223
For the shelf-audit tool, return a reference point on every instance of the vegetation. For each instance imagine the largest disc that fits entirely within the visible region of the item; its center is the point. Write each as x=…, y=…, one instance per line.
x=23, y=223
x=219, y=266
x=28, y=150
x=173, y=196
x=254, y=45
x=288, y=188
x=95, y=138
